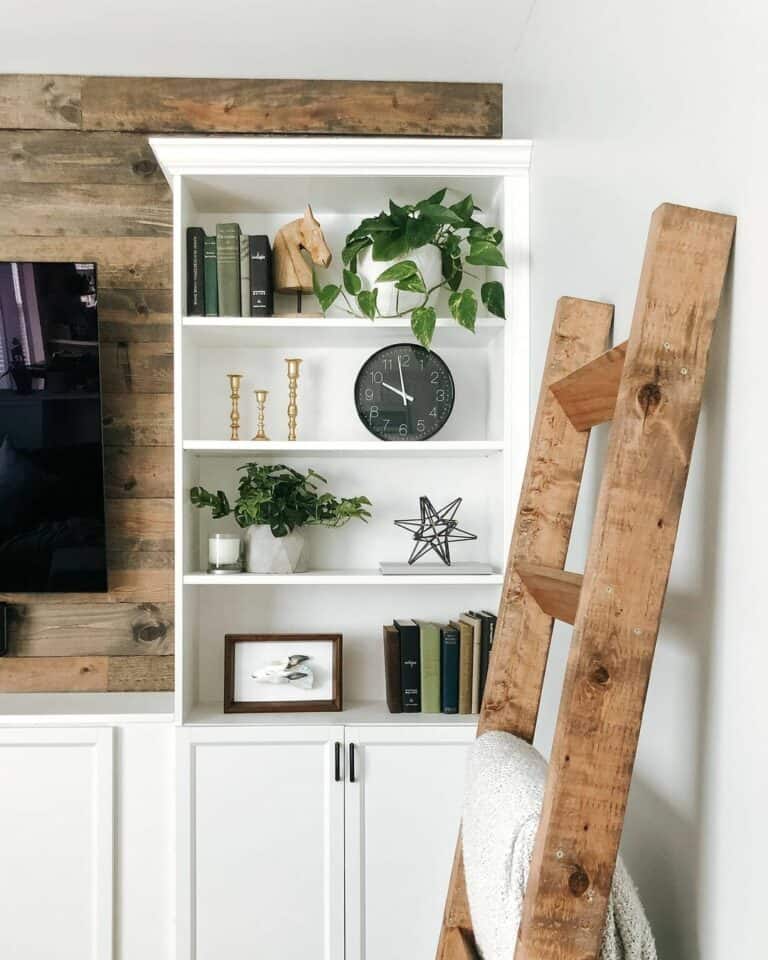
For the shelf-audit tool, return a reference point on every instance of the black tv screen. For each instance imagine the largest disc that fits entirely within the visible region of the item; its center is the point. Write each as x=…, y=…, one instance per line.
x=52, y=536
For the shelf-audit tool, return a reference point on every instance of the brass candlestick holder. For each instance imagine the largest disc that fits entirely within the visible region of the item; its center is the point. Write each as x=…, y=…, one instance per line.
x=234, y=396
x=293, y=376
x=261, y=399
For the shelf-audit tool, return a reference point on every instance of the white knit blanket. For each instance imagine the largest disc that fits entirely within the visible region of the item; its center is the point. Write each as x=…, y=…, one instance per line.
x=505, y=790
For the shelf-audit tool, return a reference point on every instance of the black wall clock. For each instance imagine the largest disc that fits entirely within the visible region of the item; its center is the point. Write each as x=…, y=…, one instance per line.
x=404, y=392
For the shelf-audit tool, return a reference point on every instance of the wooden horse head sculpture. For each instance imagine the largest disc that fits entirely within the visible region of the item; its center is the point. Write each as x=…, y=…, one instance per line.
x=292, y=273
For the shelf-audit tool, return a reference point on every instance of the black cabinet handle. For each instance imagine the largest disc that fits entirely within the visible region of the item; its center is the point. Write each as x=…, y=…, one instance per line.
x=337, y=761
x=352, y=777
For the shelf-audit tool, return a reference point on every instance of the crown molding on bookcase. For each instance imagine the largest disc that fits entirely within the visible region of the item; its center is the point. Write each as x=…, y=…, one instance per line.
x=339, y=155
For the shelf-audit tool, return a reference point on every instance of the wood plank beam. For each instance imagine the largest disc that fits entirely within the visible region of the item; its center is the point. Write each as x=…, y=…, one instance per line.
x=624, y=585
x=541, y=535
x=588, y=395
x=85, y=674
x=555, y=591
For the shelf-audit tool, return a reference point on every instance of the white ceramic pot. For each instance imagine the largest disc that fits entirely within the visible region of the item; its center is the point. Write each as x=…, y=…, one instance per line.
x=266, y=553
x=427, y=259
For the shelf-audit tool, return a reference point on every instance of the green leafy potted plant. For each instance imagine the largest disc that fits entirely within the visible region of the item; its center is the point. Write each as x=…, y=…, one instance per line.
x=397, y=261
x=274, y=502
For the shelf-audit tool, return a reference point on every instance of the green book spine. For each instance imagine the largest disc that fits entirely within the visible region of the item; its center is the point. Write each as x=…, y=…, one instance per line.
x=429, y=637
x=228, y=267
x=245, y=277
x=211, y=279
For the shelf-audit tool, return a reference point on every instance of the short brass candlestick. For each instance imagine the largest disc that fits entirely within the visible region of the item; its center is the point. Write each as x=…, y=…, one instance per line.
x=261, y=399
x=234, y=396
x=293, y=375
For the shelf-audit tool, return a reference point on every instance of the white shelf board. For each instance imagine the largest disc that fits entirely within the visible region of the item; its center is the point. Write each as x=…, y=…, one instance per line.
x=85, y=708
x=346, y=448
x=363, y=712
x=340, y=578
x=305, y=332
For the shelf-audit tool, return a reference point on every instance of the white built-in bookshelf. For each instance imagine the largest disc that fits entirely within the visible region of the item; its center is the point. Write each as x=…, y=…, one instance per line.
x=479, y=455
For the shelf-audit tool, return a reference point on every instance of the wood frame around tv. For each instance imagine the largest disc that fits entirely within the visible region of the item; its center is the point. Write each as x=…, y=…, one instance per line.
x=281, y=706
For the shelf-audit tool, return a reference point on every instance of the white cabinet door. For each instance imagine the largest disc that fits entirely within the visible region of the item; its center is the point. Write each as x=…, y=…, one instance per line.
x=56, y=848
x=261, y=843
x=402, y=818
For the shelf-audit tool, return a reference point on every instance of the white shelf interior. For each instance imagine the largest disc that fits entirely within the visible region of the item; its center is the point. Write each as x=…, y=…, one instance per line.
x=354, y=713
x=478, y=455
x=95, y=708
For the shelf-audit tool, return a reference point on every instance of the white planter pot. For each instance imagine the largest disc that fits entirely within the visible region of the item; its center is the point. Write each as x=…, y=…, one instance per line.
x=427, y=259
x=266, y=553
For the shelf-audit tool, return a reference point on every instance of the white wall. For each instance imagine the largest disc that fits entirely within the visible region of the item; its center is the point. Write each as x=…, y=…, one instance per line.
x=630, y=103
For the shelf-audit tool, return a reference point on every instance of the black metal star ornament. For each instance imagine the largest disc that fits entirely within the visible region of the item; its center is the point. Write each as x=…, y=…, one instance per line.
x=435, y=530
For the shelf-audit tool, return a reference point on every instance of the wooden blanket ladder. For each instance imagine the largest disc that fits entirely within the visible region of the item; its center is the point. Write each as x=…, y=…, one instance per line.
x=651, y=388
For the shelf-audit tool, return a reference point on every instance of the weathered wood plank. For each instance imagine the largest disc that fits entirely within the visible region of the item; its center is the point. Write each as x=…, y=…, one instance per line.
x=625, y=581
x=38, y=627
x=33, y=101
x=138, y=472
x=555, y=591
x=123, y=263
x=459, y=945
x=142, y=585
x=136, y=367
x=137, y=419
x=541, y=535
x=138, y=316
x=329, y=107
x=96, y=674
x=55, y=209
x=139, y=673
x=145, y=525
x=69, y=156
x=588, y=395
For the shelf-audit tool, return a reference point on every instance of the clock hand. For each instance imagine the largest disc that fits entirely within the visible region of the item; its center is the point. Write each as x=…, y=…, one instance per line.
x=400, y=393
x=402, y=385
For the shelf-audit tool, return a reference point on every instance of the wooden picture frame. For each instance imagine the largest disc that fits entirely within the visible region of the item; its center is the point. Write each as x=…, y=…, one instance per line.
x=288, y=705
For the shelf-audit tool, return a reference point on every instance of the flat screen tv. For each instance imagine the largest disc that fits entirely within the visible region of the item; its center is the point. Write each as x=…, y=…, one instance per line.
x=52, y=535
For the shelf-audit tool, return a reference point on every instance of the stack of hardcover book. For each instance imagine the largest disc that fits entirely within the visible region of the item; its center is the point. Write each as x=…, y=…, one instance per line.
x=438, y=668
x=229, y=274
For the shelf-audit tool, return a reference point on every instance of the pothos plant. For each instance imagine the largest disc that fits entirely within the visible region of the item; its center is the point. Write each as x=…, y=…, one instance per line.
x=283, y=498
x=462, y=241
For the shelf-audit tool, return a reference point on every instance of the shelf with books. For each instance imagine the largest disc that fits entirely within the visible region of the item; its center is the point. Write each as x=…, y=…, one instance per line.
x=262, y=184
x=342, y=578
x=316, y=331
x=374, y=712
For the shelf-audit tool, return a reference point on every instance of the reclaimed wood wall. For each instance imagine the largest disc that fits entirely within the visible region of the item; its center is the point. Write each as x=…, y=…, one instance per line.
x=79, y=182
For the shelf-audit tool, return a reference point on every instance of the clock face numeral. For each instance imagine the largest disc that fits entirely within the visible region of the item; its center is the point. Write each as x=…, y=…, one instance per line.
x=404, y=392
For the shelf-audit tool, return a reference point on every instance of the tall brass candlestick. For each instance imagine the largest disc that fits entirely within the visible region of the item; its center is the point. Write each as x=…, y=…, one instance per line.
x=261, y=399
x=234, y=396
x=293, y=375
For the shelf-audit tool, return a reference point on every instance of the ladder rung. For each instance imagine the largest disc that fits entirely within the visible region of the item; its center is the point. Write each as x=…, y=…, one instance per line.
x=555, y=591
x=588, y=395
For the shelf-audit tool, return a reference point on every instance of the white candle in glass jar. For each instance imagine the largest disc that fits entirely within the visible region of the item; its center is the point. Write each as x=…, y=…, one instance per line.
x=223, y=550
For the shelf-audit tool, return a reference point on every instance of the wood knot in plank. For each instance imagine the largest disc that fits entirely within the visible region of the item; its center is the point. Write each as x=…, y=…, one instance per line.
x=599, y=675
x=649, y=397
x=144, y=168
x=578, y=882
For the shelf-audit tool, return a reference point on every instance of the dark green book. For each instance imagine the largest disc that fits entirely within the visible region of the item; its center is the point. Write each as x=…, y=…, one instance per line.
x=429, y=651
x=449, y=669
x=195, y=288
x=211, y=279
x=228, y=268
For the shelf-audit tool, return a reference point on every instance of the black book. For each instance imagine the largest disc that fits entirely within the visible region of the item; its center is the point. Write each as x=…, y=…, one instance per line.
x=260, y=254
x=195, y=272
x=486, y=648
x=449, y=669
x=410, y=665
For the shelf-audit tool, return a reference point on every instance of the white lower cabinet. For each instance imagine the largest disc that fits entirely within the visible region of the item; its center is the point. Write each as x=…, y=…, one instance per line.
x=402, y=815
x=56, y=843
x=316, y=842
